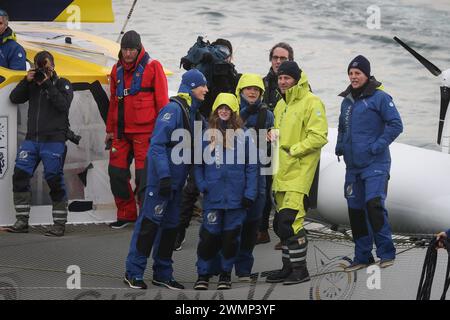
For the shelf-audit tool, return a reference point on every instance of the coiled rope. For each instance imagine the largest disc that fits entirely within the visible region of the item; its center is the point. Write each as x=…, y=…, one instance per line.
x=429, y=268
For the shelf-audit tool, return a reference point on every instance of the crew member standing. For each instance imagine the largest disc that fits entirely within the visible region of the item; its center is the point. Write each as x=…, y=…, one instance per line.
x=302, y=124
x=138, y=91
x=156, y=227
x=369, y=122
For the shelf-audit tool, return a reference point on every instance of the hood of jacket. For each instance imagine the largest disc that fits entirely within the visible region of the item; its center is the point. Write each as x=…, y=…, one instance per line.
x=249, y=80
x=298, y=91
x=8, y=35
x=227, y=99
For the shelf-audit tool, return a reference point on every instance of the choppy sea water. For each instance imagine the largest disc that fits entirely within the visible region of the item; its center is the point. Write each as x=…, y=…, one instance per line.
x=325, y=35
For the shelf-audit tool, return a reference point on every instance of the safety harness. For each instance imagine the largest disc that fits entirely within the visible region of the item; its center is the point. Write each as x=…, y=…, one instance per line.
x=260, y=121
x=429, y=267
x=136, y=87
x=185, y=112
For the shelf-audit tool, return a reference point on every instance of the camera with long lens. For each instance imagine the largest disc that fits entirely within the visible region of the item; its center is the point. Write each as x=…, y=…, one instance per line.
x=72, y=137
x=39, y=75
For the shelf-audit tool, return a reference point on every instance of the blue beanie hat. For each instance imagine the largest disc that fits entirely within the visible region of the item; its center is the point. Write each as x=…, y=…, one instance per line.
x=361, y=63
x=192, y=79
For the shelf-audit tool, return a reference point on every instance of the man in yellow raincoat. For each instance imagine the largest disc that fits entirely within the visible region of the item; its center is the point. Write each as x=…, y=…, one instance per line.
x=302, y=130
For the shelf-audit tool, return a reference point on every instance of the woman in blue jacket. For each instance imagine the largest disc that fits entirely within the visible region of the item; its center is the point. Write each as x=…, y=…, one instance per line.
x=369, y=122
x=227, y=178
x=257, y=116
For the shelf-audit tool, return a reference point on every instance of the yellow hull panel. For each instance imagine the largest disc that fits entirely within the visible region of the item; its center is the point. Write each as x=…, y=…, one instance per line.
x=87, y=58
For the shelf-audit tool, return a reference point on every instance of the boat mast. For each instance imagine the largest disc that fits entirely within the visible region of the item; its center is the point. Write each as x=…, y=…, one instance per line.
x=126, y=21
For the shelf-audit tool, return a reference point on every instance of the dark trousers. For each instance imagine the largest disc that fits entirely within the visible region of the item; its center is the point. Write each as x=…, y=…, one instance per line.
x=190, y=194
x=264, y=226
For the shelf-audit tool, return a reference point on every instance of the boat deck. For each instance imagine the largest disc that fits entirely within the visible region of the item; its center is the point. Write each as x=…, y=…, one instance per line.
x=33, y=266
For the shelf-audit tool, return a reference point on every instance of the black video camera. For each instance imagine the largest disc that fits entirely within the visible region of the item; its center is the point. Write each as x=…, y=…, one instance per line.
x=39, y=75
x=72, y=137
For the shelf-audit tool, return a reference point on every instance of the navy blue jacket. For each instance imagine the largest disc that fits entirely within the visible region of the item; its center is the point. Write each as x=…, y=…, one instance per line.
x=249, y=114
x=225, y=184
x=161, y=164
x=12, y=55
x=367, y=126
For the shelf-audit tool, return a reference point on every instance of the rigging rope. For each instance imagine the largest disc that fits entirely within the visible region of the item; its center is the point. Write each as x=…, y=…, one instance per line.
x=429, y=268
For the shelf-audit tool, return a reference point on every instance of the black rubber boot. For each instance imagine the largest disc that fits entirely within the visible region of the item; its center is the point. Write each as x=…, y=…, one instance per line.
x=280, y=275
x=298, y=275
x=20, y=226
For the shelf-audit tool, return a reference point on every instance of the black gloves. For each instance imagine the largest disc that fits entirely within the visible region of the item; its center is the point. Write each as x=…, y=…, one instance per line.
x=165, y=187
x=247, y=203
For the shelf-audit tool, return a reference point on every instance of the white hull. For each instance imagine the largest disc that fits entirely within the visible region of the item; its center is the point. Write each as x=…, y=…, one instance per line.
x=418, y=199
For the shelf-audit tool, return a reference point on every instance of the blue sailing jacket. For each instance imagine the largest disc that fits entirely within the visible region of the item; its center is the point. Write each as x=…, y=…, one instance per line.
x=12, y=55
x=367, y=126
x=228, y=175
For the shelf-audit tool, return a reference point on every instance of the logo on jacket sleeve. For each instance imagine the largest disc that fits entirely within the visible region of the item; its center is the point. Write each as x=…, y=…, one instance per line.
x=212, y=217
x=349, y=190
x=160, y=208
x=23, y=154
x=167, y=116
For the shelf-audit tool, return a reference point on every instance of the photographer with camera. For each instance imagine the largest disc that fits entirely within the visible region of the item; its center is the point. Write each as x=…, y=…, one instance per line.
x=49, y=101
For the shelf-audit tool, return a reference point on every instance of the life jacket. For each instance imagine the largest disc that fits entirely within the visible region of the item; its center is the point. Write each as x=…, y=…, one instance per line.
x=260, y=122
x=136, y=82
x=135, y=88
x=186, y=122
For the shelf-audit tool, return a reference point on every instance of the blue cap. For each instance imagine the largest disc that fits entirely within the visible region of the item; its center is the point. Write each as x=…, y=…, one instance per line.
x=361, y=63
x=3, y=13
